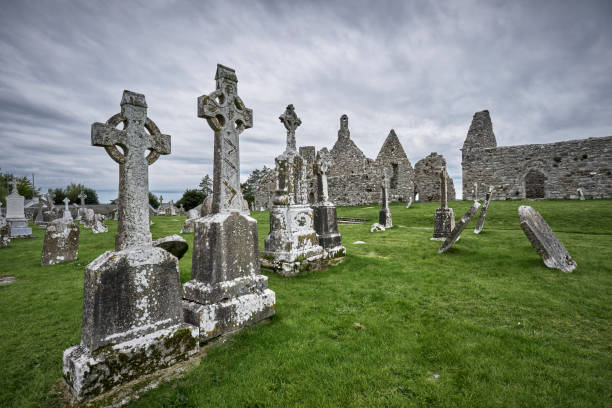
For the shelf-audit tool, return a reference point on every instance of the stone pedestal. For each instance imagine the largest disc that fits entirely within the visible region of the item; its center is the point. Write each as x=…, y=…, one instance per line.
x=15, y=216
x=226, y=291
x=132, y=321
x=292, y=246
x=326, y=227
x=61, y=242
x=444, y=223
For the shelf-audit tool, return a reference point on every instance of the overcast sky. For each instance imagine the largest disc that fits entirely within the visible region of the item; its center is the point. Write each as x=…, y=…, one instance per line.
x=543, y=69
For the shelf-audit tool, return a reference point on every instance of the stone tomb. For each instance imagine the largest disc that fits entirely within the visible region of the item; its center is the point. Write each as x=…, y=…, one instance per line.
x=544, y=240
x=227, y=290
x=292, y=246
x=444, y=218
x=483, y=211
x=456, y=232
x=384, y=215
x=61, y=242
x=132, y=314
x=15, y=215
x=325, y=217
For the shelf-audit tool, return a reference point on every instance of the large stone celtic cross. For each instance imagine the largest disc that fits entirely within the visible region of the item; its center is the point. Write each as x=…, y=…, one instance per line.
x=228, y=117
x=291, y=122
x=82, y=196
x=138, y=135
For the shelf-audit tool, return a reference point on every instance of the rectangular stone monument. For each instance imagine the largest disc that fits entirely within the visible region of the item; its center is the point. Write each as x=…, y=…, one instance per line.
x=444, y=218
x=227, y=290
x=292, y=246
x=483, y=211
x=544, y=240
x=15, y=214
x=61, y=242
x=132, y=314
x=384, y=215
x=325, y=217
x=456, y=232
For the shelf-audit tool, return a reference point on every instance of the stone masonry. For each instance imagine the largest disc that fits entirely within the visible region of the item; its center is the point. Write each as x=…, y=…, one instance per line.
x=552, y=170
x=427, y=179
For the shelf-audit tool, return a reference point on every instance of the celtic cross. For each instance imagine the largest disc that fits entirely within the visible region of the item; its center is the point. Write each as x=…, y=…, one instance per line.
x=139, y=135
x=66, y=201
x=228, y=117
x=291, y=122
x=82, y=196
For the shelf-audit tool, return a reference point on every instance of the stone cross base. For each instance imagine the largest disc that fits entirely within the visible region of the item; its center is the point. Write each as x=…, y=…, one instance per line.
x=226, y=291
x=326, y=227
x=456, y=232
x=292, y=246
x=61, y=243
x=384, y=218
x=90, y=374
x=5, y=235
x=444, y=222
x=19, y=228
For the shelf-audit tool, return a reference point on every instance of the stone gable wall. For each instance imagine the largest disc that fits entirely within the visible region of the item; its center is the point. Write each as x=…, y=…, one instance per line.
x=427, y=179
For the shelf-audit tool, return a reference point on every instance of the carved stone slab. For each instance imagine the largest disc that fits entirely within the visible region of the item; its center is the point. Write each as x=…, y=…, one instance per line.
x=544, y=240
x=456, y=232
x=483, y=213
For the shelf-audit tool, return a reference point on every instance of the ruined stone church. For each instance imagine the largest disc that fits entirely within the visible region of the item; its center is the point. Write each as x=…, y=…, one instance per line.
x=355, y=179
x=551, y=170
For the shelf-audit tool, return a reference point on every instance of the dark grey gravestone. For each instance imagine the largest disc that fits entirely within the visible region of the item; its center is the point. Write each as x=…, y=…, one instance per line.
x=456, y=232
x=175, y=244
x=544, y=240
x=61, y=242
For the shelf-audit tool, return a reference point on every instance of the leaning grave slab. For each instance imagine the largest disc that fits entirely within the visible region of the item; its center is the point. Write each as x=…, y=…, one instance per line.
x=483, y=211
x=227, y=290
x=544, y=240
x=456, y=232
x=132, y=315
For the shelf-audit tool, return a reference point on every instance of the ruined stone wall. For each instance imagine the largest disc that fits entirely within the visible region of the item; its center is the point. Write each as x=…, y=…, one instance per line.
x=427, y=179
x=513, y=171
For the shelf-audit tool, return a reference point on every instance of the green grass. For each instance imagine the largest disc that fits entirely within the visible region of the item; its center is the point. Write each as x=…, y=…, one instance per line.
x=498, y=327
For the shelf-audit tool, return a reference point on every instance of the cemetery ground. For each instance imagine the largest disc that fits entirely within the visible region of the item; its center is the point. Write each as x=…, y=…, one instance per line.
x=396, y=324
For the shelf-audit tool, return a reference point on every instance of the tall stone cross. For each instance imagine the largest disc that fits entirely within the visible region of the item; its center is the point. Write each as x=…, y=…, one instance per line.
x=323, y=165
x=291, y=122
x=385, y=196
x=138, y=135
x=443, y=194
x=228, y=117
x=66, y=201
x=82, y=196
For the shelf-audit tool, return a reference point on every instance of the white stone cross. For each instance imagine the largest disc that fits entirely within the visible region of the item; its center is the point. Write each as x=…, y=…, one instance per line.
x=291, y=122
x=443, y=193
x=322, y=168
x=82, y=196
x=66, y=201
x=228, y=117
x=139, y=135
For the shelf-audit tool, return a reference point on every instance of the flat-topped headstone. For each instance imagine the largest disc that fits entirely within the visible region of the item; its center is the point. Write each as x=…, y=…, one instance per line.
x=132, y=309
x=61, y=242
x=384, y=215
x=544, y=240
x=15, y=214
x=227, y=290
x=483, y=211
x=444, y=217
x=456, y=232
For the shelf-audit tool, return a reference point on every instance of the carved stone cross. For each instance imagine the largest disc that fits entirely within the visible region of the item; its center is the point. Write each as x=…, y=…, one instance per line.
x=443, y=194
x=291, y=122
x=82, y=196
x=228, y=117
x=66, y=201
x=138, y=135
x=323, y=165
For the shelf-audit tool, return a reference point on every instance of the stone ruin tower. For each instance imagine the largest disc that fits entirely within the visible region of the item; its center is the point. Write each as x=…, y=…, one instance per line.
x=480, y=136
x=427, y=179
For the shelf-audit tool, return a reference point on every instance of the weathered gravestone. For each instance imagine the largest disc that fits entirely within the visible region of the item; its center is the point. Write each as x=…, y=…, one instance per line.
x=5, y=231
x=15, y=214
x=88, y=219
x=82, y=196
x=189, y=224
x=132, y=314
x=61, y=242
x=580, y=194
x=292, y=246
x=227, y=290
x=98, y=226
x=206, y=206
x=483, y=211
x=325, y=217
x=444, y=218
x=409, y=203
x=544, y=240
x=456, y=232
x=175, y=244
x=67, y=216
x=384, y=215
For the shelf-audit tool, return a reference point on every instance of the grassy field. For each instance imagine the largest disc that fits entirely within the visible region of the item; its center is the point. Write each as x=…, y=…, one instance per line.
x=395, y=325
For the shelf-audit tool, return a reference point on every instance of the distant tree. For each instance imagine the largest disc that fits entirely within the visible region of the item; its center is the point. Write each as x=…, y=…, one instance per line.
x=206, y=186
x=153, y=201
x=72, y=191
x=249, y=186
x=59, y=195
x=191, y=199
